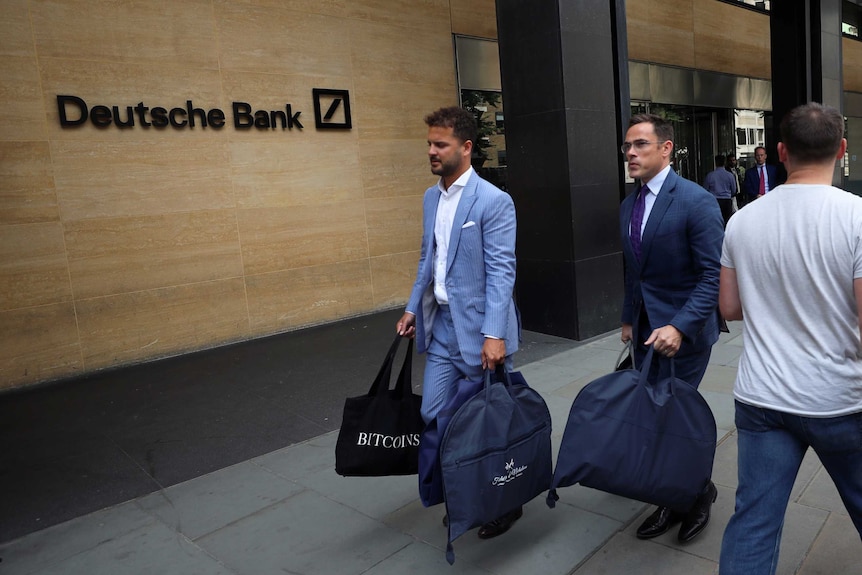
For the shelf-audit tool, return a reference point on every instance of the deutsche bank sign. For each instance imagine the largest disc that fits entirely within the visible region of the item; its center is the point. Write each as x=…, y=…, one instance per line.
x=331, y=112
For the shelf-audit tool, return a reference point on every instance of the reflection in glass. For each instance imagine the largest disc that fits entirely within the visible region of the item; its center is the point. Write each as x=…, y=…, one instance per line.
x=702, y=133
x=489, y=153
x=853, y=161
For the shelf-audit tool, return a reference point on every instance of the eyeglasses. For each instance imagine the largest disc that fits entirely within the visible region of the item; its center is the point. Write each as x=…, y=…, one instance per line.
x=638, y=145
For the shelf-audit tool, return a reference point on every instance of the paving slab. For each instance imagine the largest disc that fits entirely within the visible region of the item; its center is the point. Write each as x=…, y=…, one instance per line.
x=821, y=491
x=592, y=358
x=152, y=549
x=200, y=506
x=422, y=559
x=307, y=534
x=618, y=508
x=802, y=526
x=375, y=497
x=624, y=554
x=724, y=469
x=546, y=541
x=303, y=459
x=837, y=550
x=545, y=376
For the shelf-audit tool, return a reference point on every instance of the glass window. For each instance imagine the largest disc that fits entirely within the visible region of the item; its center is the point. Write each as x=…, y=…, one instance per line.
x=851, y=18
x=478, y=65
x=753, y=3
x=853, y=160
x=487, y=106
x=749, y=123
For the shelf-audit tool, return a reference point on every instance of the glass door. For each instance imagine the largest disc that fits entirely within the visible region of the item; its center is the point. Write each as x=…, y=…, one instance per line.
x=705, y=136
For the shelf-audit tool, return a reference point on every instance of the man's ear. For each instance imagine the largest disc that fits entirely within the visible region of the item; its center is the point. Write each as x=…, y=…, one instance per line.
x=782, y=153
x=667, y=148
x=842, y=149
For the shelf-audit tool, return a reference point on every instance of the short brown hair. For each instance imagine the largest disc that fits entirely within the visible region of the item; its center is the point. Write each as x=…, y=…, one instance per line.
x=663, y=128
x=812, y=133
x=462, y=122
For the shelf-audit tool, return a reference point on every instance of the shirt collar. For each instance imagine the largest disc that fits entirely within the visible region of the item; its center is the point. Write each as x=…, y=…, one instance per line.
x=457, y=185
x=655, y=184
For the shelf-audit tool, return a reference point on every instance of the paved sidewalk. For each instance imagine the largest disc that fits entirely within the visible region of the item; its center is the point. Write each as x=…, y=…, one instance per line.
x=289, y=512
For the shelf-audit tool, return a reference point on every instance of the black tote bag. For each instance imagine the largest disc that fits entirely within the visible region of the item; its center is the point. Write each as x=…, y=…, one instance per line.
x=380, y=430
x=650, y=442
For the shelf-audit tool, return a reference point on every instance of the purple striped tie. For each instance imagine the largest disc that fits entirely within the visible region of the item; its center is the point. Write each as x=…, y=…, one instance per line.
x=637, y=221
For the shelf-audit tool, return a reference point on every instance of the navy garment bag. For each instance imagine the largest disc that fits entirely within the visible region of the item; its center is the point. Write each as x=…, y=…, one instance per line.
x=650, y=442
x=495, y=454
x=430, y=474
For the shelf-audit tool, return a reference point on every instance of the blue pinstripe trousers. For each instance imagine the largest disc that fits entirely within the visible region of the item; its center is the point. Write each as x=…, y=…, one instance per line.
x=444, y=365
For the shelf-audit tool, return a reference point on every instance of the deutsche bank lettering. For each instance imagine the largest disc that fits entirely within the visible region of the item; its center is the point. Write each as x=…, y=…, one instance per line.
x=387, y=441
x=74, y=111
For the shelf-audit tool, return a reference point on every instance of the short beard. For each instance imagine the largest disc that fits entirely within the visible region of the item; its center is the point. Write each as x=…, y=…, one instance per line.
x=445, y=169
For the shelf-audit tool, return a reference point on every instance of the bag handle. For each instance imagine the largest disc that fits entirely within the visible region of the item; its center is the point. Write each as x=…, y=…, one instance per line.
x=501, y=375
x=648, y=363
x=627, y=350
x=404, y=385
x=385, y=372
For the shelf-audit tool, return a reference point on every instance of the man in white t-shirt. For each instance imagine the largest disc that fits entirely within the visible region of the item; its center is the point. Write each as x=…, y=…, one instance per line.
x=796, y=283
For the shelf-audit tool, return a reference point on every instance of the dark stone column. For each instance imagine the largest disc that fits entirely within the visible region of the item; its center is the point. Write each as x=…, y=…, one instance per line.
x=806, y=58
x=564, y=67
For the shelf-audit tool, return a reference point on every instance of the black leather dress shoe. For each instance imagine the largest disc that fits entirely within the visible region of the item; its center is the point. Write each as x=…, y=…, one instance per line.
x=697, y=518
x=446, y=520
x=500, y=525
x=659, y=522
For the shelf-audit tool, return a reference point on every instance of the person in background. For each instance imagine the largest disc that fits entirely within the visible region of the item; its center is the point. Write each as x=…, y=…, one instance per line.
x=760, y=178
x=462, y=304
x=671, y=231
x=723, y=185
x=732, y=166
x=799, y=381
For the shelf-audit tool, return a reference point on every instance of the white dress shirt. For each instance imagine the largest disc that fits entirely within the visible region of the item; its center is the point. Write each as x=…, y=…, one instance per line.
x=761, y=172
x=654, y=186
x=446, y=206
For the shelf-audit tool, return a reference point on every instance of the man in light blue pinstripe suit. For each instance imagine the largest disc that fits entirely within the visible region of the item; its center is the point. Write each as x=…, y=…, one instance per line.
x=462, y=303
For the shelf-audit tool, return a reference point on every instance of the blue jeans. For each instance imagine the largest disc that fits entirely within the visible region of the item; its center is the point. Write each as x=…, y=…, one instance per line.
x=771, y=447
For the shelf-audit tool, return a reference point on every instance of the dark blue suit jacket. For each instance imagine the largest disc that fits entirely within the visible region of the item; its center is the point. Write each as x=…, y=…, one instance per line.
x=751, y=183
x=676, y=281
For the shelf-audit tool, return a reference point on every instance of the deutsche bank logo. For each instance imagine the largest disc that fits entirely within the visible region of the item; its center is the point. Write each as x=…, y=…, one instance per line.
x=331, y=109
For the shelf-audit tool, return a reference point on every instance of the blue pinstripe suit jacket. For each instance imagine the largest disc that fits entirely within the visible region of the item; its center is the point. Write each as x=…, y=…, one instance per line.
x=480, y=274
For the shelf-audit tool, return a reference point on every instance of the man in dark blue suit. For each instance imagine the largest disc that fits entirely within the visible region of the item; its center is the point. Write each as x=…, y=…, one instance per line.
x=760, y=178
x=672, y=232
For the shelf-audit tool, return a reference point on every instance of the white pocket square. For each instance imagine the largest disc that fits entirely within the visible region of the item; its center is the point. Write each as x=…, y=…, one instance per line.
x=468, y=224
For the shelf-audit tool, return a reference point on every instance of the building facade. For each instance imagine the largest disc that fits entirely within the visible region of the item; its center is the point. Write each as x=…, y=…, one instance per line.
x=182, y=175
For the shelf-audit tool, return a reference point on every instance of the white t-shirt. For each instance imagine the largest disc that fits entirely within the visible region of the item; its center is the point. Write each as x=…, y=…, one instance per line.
x=796, y=252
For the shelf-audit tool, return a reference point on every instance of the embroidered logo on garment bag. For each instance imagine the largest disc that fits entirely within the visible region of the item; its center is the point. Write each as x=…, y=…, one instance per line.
x=512, y=473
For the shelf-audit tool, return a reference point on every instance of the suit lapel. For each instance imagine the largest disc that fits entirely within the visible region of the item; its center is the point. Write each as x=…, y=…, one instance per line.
x=626, y=224
x=468, y=198
x=659, y=208
x=430, y=219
